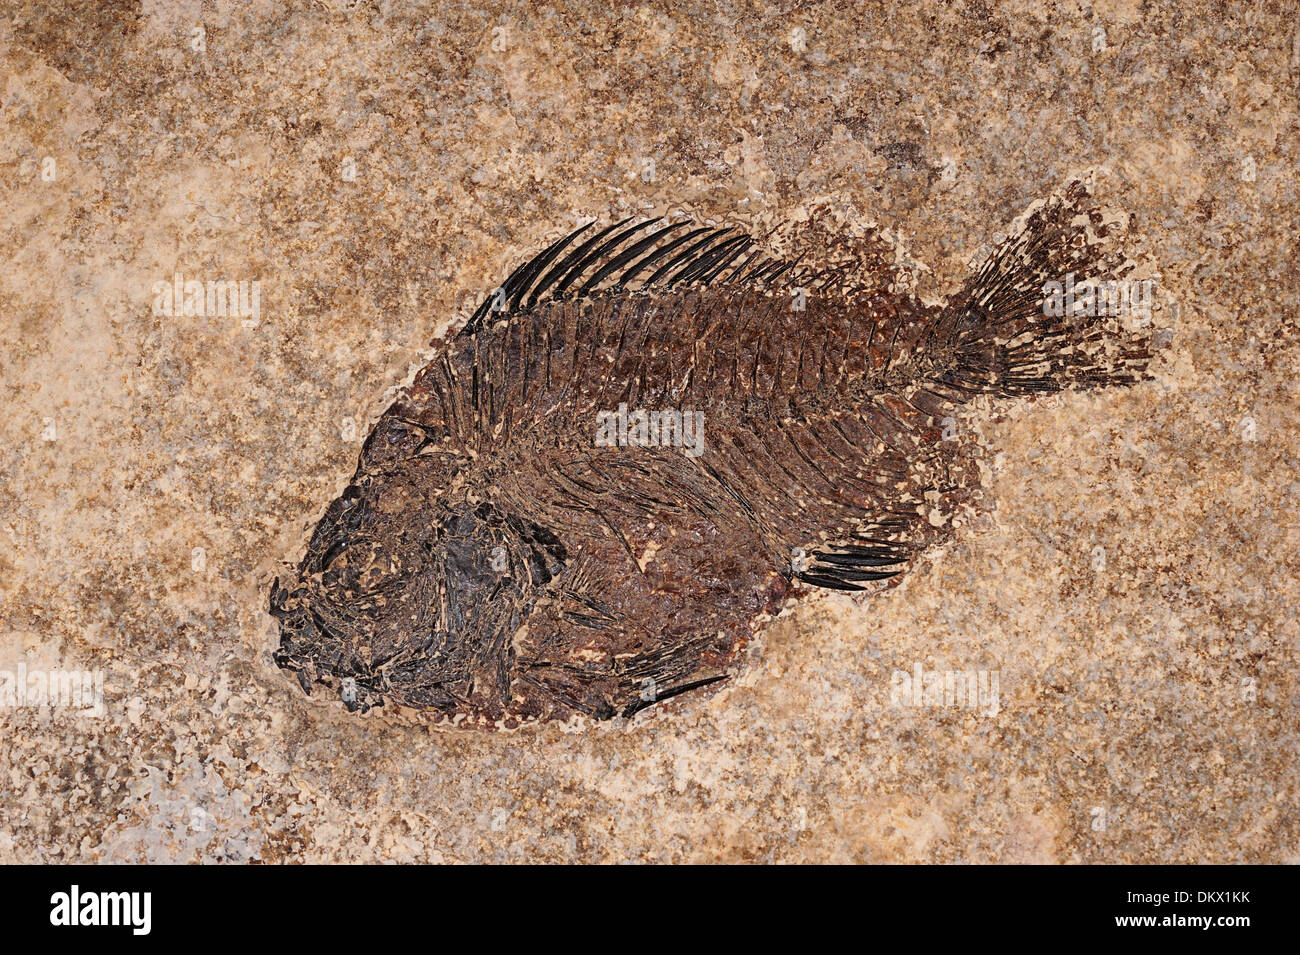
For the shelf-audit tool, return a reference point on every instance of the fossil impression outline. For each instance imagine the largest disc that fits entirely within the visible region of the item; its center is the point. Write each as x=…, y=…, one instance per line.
x=527, y=535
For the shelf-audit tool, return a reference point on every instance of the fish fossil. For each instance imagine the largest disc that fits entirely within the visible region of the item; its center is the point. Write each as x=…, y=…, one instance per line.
x=626, y=459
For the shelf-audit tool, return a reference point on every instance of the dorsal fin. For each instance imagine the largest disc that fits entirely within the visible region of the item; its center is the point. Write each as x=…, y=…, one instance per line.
x=627, y=257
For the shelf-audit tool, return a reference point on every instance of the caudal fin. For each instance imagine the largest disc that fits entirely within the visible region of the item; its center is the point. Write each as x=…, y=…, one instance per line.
x=1054, y=306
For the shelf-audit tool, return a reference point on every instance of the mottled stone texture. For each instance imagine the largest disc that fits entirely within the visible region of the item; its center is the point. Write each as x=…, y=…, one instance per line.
x=373, y=165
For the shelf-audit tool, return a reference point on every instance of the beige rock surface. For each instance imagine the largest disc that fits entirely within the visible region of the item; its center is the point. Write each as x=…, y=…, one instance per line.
x=374, y=165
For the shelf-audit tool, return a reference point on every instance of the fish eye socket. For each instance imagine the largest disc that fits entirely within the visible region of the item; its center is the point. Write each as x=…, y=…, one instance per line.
x=380, y=575
x=361, y=566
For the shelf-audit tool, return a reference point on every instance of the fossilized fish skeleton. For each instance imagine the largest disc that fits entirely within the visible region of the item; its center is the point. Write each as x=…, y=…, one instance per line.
x=646, y=439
